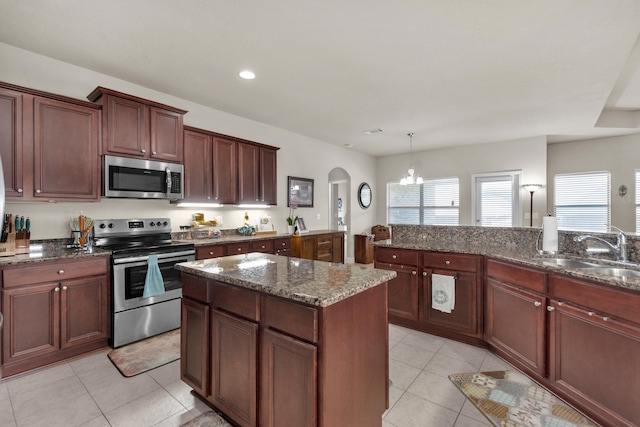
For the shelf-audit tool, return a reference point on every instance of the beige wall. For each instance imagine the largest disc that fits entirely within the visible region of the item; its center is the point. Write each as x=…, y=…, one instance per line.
x=619, y=155
x=527, y=155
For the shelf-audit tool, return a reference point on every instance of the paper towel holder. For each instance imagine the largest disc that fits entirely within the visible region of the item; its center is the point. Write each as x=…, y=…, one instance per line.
x=538, y=249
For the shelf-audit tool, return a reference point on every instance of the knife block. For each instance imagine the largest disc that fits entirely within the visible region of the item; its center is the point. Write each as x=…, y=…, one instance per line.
x=22, y=242
x=8, y=248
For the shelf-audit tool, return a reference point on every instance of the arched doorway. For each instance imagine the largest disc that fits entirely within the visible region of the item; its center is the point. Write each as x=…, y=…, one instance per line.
x=340, y=204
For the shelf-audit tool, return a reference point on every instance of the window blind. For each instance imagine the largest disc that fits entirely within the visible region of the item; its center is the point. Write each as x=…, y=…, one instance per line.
x=582, y=201
x=435, y=202
x=496, y=201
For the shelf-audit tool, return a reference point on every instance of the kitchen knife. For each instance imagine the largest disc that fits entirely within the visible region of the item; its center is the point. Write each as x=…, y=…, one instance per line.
x=21, y=223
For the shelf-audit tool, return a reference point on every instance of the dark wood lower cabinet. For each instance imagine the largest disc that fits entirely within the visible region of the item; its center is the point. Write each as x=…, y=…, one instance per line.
x=403, y=291
x=275, y=362
x=288, y=389
x=320, y=245
x=234, y=346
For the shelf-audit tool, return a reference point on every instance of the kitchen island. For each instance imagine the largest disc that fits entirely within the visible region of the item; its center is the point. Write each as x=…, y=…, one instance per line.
x=271, y=340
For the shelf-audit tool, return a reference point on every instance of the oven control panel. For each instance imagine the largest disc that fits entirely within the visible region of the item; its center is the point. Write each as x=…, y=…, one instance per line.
x=137, y=226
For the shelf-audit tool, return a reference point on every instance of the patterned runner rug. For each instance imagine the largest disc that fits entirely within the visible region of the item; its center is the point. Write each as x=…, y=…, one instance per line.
x=511, y=399
x=141, y=356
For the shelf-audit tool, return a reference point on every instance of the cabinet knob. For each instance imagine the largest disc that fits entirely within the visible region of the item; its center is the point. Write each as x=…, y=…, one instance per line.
x=64, y=288
x=605, y=318
x=211, y=253
x=155, y=152
x=38, y=191
x=537, y=303
x=60, y=271
x=560, y=303
x=447, y=262
x=424, y=273
x=239, y=249
x=263, y=246
x=19, y=190
x=56, y=289
x=143, y=151
x=414, y=272
x=549, y=308
x=591, y=313
x=393, y=256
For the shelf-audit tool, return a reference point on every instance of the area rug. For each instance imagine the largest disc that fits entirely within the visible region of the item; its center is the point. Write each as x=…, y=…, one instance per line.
x=207, y=419
x=150, y=353
x=511, y=399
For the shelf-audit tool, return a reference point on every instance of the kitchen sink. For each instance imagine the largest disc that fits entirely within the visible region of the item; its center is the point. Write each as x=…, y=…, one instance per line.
x=567, y=263
x=613, y=271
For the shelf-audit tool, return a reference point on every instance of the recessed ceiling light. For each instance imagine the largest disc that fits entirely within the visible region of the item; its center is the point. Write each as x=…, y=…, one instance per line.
x=247, y=75
x=372, y=131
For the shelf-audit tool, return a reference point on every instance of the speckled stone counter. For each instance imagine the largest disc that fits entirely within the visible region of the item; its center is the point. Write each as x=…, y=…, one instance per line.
x=512, y=244
x=229, y=238
x=52, y=250
x=312, y=282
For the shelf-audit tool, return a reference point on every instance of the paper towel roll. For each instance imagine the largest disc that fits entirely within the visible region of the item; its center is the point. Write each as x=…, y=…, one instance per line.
x=550, y=234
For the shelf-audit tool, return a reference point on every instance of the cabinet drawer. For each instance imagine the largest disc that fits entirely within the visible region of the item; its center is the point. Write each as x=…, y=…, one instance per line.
x=238, y=248
x=449, y=261
x=210, y=251
x=196, y=288
x=597, y=298
x=265, y=246
x=284, y=243
x=243, y=302
x=396, y=256
x=294, y=319
x=324, y=239
x=517, y=275
x=54, y=271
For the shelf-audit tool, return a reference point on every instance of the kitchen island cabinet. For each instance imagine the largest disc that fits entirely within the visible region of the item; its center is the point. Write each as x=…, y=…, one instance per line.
x=53, y=311
x=275, y=347
x=38, y=130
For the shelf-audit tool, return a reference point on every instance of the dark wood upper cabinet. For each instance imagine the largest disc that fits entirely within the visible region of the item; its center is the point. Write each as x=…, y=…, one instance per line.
x=49, y=146
x=227, y=170
x=136, y=127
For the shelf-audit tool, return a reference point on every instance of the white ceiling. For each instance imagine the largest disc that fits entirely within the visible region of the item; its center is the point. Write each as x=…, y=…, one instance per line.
x=454, y=72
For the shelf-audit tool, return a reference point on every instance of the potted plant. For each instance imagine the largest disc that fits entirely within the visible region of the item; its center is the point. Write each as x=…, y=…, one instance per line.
x=292, y=219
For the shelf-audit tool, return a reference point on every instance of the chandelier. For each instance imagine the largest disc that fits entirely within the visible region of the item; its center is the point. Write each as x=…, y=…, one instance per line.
x=411, y=176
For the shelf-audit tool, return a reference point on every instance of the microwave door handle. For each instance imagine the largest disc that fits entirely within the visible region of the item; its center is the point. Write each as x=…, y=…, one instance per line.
x=168, y=172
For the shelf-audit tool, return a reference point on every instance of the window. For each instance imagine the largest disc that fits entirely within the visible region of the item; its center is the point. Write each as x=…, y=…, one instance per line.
x=582, y=201
x=496, y=199
x=434, y=202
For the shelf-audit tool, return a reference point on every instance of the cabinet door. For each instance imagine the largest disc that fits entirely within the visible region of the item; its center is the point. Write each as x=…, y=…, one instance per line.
x=66, y=162
x=11, y=142
x=268, y=176
x=166, y=141
x=248, y=173
x=194, y=345
x=198, y=160
x=337, y=249
x=225, y=172
x=84, y=310
x=515, y=324
x=234, y=348
x=127, y=127
x=594, y=358
x=31, y=321
x=403, y=291
x=288, y=381
x=464, y=317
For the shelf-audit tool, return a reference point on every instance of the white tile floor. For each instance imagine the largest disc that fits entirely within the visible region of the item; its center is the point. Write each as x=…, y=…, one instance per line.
x=89, y=391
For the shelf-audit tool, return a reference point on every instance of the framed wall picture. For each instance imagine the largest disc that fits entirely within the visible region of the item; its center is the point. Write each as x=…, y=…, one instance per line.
x=302, y=228
x=300, y=192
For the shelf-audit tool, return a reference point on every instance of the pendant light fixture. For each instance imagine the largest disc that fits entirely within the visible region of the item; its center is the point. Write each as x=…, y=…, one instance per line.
x=411, y=177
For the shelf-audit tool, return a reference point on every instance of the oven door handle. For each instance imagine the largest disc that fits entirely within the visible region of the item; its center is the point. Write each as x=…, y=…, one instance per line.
x=160, y=257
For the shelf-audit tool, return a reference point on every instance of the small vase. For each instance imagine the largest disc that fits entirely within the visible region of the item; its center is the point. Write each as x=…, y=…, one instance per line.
x=291, y=229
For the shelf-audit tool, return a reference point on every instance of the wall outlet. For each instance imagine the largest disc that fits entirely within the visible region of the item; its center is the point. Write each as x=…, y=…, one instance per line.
x=317, y=216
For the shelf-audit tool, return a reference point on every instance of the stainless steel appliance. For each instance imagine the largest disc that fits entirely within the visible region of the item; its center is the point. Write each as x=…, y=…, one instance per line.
x=142, y=179
x=132, y=241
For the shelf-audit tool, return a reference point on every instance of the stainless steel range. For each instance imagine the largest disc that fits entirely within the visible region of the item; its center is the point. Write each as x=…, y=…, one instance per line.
x=132, y=241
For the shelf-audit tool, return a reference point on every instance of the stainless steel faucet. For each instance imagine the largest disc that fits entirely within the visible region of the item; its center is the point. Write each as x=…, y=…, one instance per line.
x=620, y=249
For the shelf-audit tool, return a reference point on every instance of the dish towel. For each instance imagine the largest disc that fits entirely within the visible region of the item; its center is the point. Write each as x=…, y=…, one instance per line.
x=443, y=292
x=153, y=283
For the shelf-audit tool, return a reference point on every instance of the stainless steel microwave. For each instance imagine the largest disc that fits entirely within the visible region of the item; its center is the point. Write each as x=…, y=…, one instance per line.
x=142, y=179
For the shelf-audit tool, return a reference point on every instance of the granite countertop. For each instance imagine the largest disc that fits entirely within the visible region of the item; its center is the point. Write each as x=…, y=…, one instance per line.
x=312, y=282
x=51, y=251
x=528, y=258
x=234, y=238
